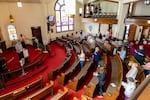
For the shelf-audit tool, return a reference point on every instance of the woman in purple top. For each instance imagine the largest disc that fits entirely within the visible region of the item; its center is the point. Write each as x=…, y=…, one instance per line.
x=132, y=49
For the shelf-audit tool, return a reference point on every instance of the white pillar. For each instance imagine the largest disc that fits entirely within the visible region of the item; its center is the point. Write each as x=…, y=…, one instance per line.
x=44, y=8
x=121, y=15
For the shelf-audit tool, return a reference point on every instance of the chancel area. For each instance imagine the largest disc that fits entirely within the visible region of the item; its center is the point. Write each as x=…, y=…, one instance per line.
x=74, y=49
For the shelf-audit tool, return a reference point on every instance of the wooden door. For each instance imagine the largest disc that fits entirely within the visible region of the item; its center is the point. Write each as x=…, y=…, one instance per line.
x=1, y=38
x=131, y=33
x=36, y=32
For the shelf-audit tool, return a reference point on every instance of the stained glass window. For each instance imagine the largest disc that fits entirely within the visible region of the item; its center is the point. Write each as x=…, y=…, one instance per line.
x=64, y=15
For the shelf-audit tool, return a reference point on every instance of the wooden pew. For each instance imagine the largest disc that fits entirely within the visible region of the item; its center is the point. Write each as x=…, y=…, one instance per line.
x=112, y=92
x=87, y=49
x=48, y=89
x=61, y=95
x=142, y=91
x=53, y=73
x=64, y=77
x=7, y=96
x=77, y=48
x=35, y=84
x=100, y=44
x=90, y=89
x=140, y=75
x=27, y=88
x=78, y=80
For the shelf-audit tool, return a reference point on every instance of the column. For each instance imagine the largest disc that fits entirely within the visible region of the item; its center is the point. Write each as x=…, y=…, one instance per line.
x=121, y=15
x=44, y=9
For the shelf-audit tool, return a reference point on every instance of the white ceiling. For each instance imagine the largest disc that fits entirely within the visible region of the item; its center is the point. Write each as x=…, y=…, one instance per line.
x=28, y=1
x=81, y=1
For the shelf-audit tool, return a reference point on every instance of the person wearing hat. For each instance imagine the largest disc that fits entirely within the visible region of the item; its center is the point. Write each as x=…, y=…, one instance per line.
x=129, y=87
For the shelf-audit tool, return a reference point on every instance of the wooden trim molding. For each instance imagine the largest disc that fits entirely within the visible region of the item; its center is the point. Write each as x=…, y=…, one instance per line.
x=141, y=22
x=100, y=20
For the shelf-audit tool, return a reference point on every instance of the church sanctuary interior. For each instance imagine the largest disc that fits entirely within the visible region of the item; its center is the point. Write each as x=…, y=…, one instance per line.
x=74, y=49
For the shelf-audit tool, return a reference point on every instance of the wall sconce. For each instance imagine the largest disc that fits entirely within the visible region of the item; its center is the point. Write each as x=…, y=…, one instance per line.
x=11, y=19
x=80, y=11
x=19, y=4
x=148, y=21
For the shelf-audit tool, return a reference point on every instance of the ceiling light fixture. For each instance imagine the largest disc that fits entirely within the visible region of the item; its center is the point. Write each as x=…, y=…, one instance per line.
x=19, y=4
x=147, y=2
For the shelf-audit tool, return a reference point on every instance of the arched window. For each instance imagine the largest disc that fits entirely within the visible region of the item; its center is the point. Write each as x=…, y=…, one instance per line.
x=12, y=32
x=64, y=9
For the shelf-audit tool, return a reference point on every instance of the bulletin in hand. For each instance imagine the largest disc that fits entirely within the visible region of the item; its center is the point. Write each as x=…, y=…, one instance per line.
x=25, y=53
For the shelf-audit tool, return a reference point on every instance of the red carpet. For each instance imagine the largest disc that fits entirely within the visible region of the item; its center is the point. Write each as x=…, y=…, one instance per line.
x=51, y=63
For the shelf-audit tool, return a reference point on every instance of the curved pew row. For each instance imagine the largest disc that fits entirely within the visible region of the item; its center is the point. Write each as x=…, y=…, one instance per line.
x=27, y=88
x=140, y=75
x=14, y=72
x=78, y=79
x=40, y=94
x=142, y=91
x=53, y=73
x=64, y=77
x=87, y=49
x=90, y=89
x=113, y=89
x=61, y=95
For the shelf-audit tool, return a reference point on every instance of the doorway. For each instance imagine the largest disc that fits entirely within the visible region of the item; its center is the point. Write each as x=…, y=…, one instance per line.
x=36, y=32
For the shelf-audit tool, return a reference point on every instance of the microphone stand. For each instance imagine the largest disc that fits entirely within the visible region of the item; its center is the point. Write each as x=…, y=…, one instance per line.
x=22, y=62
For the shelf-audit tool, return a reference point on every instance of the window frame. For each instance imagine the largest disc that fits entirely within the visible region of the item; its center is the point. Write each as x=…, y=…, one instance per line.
x=60, y=15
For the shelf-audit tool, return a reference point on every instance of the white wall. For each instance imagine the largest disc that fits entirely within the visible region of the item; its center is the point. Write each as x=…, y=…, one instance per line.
x=95, y=27
x=78, y=20
x=141, y=9
x=109, y=6
x=31, y=15
x=25, y=18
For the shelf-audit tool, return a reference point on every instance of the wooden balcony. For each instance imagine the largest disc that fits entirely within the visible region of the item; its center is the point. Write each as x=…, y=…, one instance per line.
x=101, y=20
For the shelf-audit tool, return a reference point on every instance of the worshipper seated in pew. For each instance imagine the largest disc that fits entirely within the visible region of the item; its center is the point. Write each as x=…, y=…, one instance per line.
x=133, y=70
x=122, y=53
x=107, y=45
x=140, y=54
x=129, y=87
x=140, y=74
x=131, y=48
x=146, y=68
x=101, y=77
